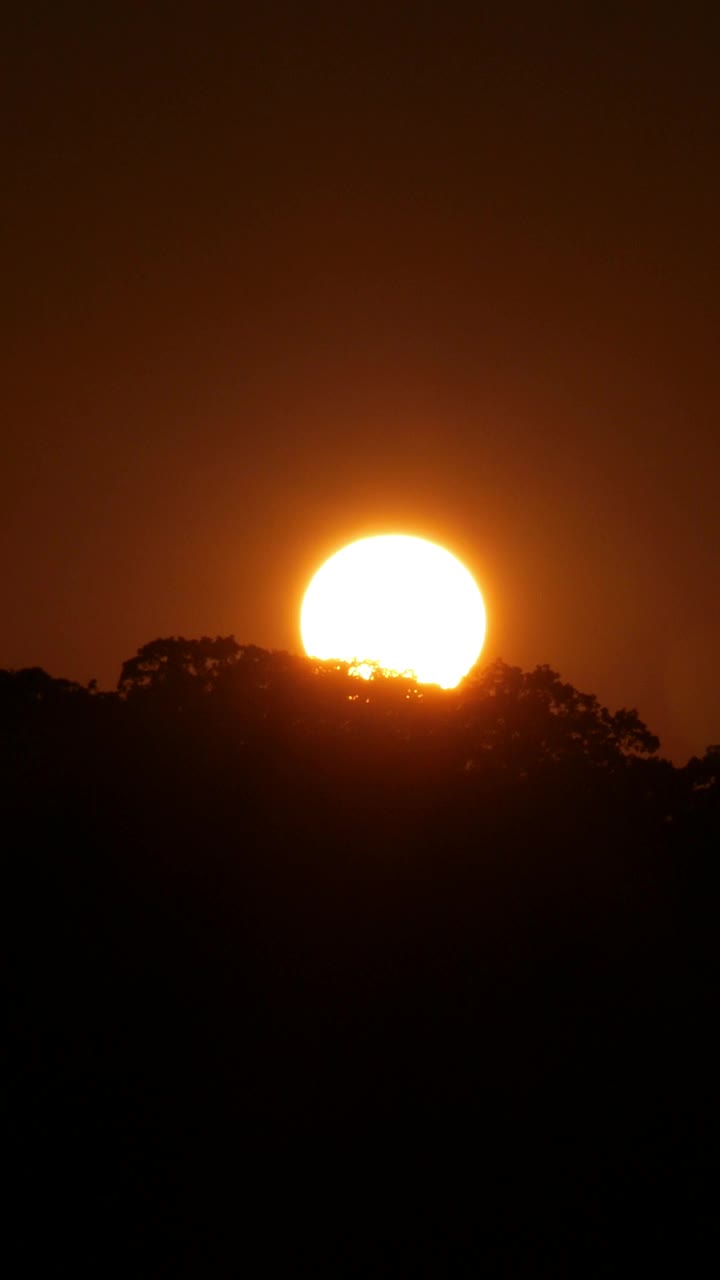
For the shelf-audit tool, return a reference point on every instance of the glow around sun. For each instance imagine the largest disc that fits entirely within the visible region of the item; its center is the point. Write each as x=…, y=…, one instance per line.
x=399, y=602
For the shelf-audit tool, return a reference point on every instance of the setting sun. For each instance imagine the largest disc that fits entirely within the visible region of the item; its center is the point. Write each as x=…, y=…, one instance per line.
x=399, y=602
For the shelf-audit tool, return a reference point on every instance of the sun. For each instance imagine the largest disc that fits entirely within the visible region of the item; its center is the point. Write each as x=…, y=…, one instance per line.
x=398, y=602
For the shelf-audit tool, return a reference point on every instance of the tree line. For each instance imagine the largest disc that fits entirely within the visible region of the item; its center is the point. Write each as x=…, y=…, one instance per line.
x=354, y=969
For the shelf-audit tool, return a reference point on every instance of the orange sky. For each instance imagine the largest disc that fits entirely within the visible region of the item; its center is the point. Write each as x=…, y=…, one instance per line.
x=277, y=279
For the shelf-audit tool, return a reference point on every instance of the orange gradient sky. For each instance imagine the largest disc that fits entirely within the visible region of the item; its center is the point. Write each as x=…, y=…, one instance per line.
x=278, y=280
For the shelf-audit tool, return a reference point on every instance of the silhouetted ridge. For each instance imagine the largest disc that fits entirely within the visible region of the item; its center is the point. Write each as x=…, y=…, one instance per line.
x=436, y=961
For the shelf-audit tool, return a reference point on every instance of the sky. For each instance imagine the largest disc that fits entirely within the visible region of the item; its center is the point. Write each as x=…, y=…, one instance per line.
x=280, y=275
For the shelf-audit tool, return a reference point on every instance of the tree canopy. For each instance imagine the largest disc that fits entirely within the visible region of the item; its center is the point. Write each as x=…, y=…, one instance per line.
x=259, y=906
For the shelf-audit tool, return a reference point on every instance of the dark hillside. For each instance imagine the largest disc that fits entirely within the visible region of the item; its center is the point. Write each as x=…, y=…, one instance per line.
x=350, y=975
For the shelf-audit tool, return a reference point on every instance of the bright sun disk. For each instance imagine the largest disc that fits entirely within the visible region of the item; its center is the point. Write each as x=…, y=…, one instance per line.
x=400, y=602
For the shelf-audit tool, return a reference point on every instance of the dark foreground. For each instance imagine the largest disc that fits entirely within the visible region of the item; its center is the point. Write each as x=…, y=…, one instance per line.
x=301, y=981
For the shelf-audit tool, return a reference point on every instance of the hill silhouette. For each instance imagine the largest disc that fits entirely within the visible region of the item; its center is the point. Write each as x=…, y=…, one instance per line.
x=364, y=975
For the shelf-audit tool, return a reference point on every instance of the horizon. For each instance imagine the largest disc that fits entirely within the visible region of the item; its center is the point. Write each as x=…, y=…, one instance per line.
x=484, y=662
x=280, y=281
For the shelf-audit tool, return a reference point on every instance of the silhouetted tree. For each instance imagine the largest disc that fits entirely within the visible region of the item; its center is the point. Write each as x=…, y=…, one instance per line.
x=32, y=686
x=176, y=666
x=259, y=906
